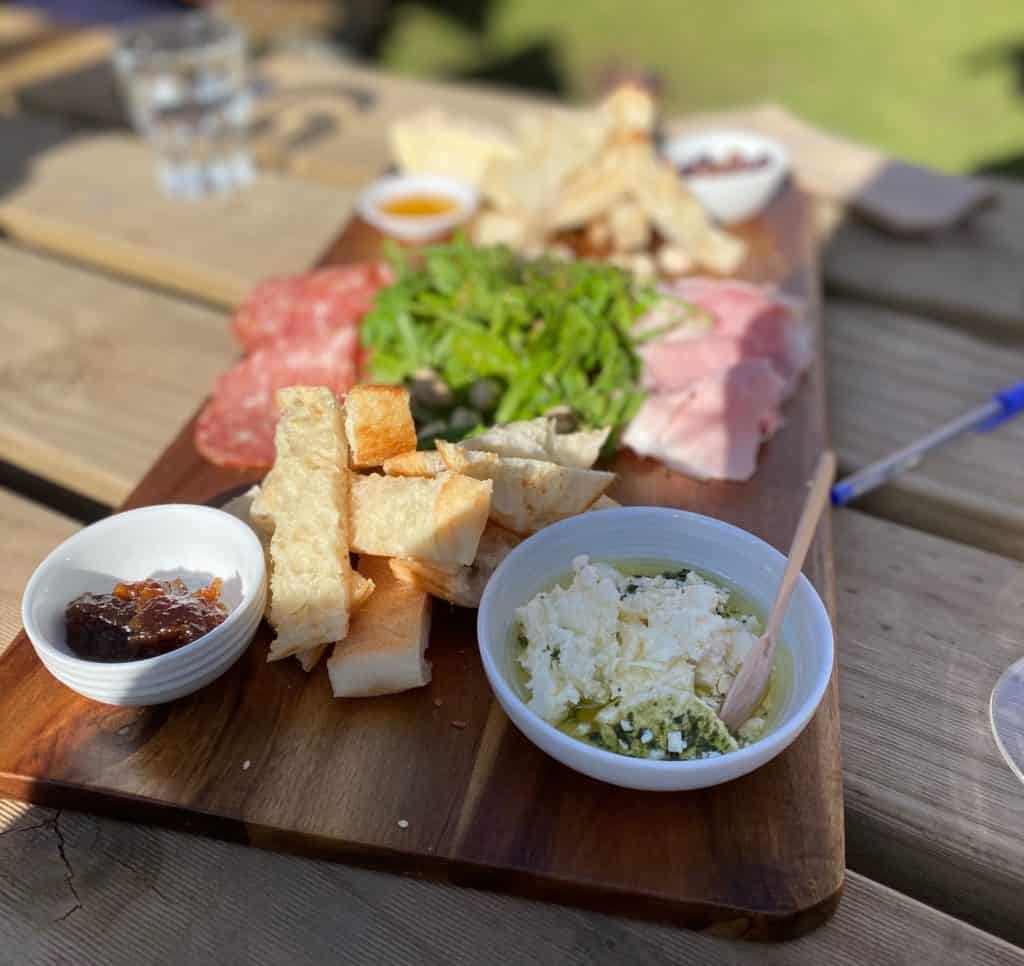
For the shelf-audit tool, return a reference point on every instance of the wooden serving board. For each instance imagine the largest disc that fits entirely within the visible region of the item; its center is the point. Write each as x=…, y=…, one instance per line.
x=266, y=756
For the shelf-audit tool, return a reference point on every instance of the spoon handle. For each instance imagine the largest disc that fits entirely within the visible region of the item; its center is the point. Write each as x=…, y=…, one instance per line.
x=817, y=500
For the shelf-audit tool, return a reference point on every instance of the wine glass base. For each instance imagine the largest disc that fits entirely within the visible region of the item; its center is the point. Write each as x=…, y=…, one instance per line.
x=1006, y=714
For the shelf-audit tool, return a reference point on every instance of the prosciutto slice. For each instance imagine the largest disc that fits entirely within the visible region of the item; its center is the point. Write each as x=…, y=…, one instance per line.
x=748, y=322
x=714, y=427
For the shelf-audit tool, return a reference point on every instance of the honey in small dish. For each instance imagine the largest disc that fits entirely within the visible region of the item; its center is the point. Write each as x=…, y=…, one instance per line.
x=418, y=205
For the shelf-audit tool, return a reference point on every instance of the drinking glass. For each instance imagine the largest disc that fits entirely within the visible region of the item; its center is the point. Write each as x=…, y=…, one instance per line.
x=1006, y=712
x=184, y=81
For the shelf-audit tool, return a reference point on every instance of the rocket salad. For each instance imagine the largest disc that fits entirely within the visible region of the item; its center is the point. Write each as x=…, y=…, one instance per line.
x=483, y=336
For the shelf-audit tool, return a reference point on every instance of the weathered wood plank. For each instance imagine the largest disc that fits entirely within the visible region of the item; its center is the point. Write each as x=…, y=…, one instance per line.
x=970, y=276
x=926, y=627
x=98, y=374
x=29, y=532
x=95, y=198
x=115, y=893
x=894, y=377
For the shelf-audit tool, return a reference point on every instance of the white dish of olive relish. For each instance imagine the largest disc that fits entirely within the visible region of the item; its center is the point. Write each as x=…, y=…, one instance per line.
x=616, y=664
x=636, y=657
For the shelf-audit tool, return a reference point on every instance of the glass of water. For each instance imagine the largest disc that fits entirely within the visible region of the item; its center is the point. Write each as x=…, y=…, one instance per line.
x=184, y=80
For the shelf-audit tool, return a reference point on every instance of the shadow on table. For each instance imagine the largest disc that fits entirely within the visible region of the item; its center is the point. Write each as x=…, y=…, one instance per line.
x=22, y=142
x=88, y=95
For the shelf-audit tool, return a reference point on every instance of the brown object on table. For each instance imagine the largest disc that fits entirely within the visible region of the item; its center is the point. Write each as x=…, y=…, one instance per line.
x=761, y=856
x=141, y=620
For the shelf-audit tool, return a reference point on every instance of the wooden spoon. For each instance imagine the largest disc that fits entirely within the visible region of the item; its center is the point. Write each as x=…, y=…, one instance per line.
x=750, y=684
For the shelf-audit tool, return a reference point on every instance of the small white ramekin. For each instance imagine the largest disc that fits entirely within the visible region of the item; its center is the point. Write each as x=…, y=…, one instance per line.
x=417, y=228
x=196, y=543
x=735, y=196
x=659, y=534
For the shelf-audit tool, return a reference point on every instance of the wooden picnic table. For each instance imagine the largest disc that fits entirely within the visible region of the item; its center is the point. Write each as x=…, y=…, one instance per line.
x=114, y=326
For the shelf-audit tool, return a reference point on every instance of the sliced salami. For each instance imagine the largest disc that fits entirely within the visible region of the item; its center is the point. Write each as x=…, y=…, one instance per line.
x=236, y=427
x=281, y=310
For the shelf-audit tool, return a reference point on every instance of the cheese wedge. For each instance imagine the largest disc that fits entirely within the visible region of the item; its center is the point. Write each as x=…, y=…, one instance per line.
x=306, y=497
x=384, y=651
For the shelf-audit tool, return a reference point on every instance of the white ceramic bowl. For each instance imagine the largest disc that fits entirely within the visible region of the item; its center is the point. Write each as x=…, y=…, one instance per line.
x=417, y=228
x=196, y=543
x=738, y=195
x=656, y=533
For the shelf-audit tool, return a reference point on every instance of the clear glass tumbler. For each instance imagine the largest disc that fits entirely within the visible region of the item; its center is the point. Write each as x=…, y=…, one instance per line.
x=184, y=80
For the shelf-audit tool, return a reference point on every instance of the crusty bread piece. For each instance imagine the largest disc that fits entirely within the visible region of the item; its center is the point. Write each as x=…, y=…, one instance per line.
x=528, y=494
x=378, y=424
x=384, y=651
x=415, y=463
x=362, y=588
x=536, y=439
x=579, y=450
x=306, y=496
x=439, y=518
x=462, y=586
x=526, y=438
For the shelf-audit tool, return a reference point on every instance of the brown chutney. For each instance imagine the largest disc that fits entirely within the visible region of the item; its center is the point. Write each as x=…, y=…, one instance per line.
x=141, y=620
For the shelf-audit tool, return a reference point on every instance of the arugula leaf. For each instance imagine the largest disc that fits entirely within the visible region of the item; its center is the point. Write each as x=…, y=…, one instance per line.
x=550, y=332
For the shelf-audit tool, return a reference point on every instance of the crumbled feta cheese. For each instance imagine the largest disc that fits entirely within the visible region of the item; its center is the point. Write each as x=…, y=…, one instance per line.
x=752, y=728
x=619, y=642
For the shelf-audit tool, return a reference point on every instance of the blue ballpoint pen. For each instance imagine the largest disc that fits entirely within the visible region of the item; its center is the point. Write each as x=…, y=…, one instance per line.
x=1003, y=406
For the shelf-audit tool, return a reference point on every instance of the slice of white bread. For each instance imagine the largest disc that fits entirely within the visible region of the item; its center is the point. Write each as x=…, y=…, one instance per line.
x=242, y=507
x=362, y=588
x=378, y=424
x=306, y=496
x=414, y=463
x=462, y=586
x=528, y=494
x=438, y=518
x=384, y=651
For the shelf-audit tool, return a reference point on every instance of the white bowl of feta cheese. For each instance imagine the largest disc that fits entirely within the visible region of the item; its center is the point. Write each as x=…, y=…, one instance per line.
x=611, y=638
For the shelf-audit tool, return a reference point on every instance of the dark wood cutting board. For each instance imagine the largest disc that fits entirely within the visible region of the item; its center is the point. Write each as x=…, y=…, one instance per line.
x=266, y=756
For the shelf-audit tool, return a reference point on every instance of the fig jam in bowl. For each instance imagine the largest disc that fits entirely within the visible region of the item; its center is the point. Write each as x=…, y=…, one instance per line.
x=165, y=559
x=707, y=557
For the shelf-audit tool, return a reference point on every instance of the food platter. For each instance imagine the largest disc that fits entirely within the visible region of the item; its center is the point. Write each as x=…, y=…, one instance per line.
x=265, y=755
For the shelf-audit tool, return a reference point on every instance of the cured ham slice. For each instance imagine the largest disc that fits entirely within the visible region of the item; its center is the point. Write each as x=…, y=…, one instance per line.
x=714, y=427
x=236, y=427
x=281, y=310
x=748, y=322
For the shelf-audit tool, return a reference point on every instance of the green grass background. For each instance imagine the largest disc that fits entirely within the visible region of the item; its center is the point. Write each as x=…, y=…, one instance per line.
x=907, y=75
